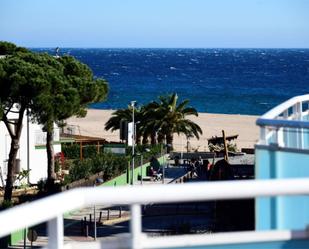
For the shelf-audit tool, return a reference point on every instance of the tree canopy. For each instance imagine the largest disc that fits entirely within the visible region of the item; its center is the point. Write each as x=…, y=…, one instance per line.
x=23, y=83
x=10, y=48
x=73, y=88
x=50, y=89
x=159, y=120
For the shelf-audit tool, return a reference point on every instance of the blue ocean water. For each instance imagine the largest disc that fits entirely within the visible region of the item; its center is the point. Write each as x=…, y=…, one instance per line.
x=238, y=81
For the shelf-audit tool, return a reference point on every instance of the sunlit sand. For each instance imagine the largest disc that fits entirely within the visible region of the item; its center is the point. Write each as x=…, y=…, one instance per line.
x=211, y=124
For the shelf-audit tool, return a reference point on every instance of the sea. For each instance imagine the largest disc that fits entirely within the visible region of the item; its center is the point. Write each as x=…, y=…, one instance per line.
x=229, y=81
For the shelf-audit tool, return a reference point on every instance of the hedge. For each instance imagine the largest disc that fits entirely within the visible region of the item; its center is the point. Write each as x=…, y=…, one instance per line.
x=110, y=164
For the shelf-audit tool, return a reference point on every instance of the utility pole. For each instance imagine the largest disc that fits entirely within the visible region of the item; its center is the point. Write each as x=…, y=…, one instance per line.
x=133, y=141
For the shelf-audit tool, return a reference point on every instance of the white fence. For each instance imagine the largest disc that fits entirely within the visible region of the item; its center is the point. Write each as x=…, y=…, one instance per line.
x=50, y=209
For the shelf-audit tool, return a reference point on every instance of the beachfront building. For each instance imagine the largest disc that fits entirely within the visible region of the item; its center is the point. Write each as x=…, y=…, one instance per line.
x=32, y=152
x=282, y=159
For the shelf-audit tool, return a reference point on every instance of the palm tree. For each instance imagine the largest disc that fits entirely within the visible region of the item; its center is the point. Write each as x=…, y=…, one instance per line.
x=125, y=115
x=167, y=117
x=158, y=120
x=149, y=126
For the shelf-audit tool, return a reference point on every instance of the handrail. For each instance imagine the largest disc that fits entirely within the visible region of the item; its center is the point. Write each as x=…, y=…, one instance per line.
x=269, y=118
x=276, y=111
x=283, y=123
x=48, y=208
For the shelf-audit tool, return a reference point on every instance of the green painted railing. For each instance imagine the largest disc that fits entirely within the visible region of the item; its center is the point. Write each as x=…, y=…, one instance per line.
x=125, y=178
x=13, y=238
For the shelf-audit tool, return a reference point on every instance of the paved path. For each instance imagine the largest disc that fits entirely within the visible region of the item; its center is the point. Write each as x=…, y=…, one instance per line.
x=115, y=212
x=118, y=216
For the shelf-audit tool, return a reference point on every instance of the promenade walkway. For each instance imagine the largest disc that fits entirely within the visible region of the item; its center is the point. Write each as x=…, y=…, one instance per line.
x=114, y=219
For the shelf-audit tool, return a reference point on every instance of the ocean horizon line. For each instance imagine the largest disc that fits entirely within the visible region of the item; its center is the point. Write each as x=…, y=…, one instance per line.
x=172, y=48
x=213, y=113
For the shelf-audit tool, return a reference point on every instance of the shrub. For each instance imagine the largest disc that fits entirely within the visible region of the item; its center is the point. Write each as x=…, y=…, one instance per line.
x=80, y=169
x=111, y=165
x=71, y=151
x=89, y=151
x=6, y=204
x=42, y=185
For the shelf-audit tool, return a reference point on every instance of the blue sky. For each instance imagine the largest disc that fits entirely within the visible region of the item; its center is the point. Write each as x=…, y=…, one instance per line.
x=156, y=23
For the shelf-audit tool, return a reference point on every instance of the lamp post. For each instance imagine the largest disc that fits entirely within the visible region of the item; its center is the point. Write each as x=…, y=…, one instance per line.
x=133, y=141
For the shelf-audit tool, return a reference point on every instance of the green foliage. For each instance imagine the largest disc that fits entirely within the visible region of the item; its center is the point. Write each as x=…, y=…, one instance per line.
x=71, y=151
x=52, y=89
x=148, y=151
x=25, y=80
x=111, y=165
x=41, y=185
x=80, y=169
x=57, y=166
x=158, y=120
x=7, y=48
x=89, y=151
x=167, y=117
x=23, y=174
x=6, y=204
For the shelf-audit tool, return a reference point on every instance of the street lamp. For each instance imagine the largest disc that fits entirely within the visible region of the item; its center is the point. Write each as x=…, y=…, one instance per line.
x=133, y=140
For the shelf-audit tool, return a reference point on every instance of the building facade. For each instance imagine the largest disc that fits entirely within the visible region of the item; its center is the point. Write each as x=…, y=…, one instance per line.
x=32, y=151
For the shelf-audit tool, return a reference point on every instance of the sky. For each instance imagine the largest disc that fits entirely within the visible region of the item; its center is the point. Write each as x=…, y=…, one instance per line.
x=156, y=23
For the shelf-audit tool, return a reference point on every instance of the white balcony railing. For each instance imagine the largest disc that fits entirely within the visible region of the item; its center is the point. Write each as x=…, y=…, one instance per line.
x=287, y=125
x=41, y=211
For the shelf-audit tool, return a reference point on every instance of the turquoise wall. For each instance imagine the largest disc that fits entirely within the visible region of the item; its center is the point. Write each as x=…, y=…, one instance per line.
x=291, y=244
x=281, y=212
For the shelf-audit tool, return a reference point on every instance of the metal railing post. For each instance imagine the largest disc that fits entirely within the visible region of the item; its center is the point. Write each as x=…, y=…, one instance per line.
x=55, y=233
x=263, y=135
x=136, y=226
x=94, y=223
x=300, y=131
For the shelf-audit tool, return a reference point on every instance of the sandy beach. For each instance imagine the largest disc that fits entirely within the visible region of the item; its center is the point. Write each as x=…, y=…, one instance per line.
x=211, y=124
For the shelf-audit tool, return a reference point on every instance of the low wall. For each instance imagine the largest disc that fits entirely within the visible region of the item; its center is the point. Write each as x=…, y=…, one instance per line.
x=89, y=182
